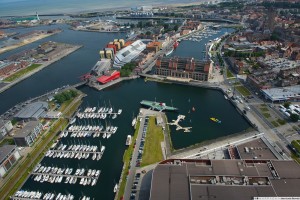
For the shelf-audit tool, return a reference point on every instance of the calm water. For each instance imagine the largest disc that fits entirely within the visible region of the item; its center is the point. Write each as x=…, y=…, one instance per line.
x=126, y=95
x=30, y=7
x=207, y=103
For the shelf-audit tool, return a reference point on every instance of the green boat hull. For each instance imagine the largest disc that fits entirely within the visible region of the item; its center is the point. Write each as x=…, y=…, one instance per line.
x=157, y=106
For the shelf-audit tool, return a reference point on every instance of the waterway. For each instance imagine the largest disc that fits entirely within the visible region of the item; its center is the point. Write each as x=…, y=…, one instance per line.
x=125, y=95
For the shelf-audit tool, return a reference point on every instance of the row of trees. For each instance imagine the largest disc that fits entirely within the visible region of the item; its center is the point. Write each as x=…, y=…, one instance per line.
x=127, y=69
x=65, y=96
x=243, y=54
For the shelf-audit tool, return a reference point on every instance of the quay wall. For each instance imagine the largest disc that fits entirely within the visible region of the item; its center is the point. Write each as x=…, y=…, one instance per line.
x=46, y=64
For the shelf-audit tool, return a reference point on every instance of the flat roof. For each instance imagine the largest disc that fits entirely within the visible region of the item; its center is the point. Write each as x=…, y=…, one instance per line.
x=5, y=151
x=26, y=130
x=284, y=93
x=32, y=110
x=256, y=149
x=224, y=179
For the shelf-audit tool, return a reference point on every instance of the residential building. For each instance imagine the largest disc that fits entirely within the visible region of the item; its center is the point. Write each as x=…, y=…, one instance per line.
x=5, y=127
x=185, y=68
x=9, y=155
x=27, y=135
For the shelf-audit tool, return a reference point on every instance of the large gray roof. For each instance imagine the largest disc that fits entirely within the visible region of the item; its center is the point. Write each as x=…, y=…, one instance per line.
x=33, y=110
x=5, y=151
x=225, y=179
x=26, y=130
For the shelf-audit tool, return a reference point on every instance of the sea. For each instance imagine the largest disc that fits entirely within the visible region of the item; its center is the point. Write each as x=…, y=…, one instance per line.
x=44, y=7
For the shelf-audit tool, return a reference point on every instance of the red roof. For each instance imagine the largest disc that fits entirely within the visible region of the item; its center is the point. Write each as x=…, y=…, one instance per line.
x=104, y=79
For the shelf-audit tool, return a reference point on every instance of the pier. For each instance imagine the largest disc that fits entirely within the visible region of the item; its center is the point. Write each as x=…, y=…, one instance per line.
x=63, y=175
x=178, y=127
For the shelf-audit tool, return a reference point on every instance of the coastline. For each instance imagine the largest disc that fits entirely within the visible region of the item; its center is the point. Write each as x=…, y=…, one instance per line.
x=46, y=64
x=111, y=8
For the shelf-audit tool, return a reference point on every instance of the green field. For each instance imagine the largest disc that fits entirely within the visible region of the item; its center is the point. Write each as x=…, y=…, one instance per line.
x=296, y=144
x=229, y=74
x=244, y=91
x=264, y=109
x=152, y=150
x=266, y=115
x=274, y=123
x=126, y=160
x=21, y=73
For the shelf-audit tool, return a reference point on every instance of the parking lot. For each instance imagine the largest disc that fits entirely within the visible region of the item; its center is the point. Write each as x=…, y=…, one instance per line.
x=133, y=179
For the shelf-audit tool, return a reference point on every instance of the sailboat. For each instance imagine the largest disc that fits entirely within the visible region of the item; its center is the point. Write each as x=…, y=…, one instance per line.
x=116, y=188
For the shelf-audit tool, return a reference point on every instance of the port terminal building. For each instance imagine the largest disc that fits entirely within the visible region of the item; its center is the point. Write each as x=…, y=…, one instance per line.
x=177, y=179
x=26, y=136
x=9, y=155
x=185, y=68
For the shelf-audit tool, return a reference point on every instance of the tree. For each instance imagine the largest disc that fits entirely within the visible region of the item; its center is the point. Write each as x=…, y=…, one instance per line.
x=294, y=117
x=175, y=27
x=132, y=26
x=148, y=33
x=287, y=104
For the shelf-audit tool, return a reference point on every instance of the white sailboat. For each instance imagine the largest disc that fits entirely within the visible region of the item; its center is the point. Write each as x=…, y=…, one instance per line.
x=116, y=188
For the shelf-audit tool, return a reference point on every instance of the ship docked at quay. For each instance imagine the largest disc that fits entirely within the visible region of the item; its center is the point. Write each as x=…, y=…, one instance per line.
x=159, y=106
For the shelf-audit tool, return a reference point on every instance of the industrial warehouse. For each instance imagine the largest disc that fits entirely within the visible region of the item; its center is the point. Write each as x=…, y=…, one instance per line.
x=224, y=179
x=184, y=68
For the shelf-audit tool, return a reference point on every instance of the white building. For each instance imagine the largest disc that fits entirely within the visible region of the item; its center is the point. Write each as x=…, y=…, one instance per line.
x=5, y=128
x=129, y=53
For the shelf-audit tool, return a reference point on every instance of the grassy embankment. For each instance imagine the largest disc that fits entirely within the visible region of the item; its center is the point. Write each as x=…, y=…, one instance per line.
x=244, y=91
x=22, y=72
x=126, y=160
x=296, y=145
x=229, y=74
x=152, y=150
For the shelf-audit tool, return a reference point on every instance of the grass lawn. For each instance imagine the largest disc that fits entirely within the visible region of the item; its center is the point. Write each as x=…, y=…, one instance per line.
x=229, y=74
x=152, y=151
x=274, y=123
x=296, y=144
x=281, y=121
x=22, y=72
x=264, y=109
x=266, y=115
x=64, y=105
x=73, y=109
x=244, y=91
x=126, y=160
x=295, y=157
x=7, y=140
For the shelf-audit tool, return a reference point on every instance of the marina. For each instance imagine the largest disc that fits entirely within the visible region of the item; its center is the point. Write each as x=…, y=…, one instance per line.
x=27, y=195
x=202, y=99
x=56, y=175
